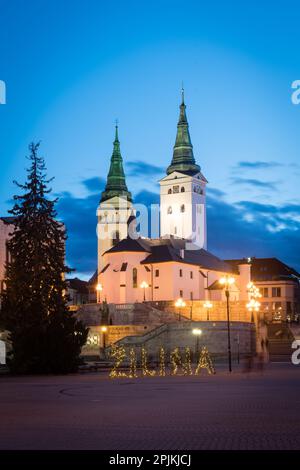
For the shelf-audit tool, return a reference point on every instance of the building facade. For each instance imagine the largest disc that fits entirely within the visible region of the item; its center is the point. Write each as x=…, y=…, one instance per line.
x=176, y=265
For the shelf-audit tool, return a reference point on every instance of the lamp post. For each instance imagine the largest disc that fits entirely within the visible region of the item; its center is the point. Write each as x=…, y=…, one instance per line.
x=99, y=289
x=197, y=332
x=180, y=303
x=104, y=330
x=208, y=305
x=144, y=286
x=226, y=282
x=253, y=305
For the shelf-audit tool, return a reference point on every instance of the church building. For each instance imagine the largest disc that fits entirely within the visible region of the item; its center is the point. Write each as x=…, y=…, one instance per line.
x=132, y=268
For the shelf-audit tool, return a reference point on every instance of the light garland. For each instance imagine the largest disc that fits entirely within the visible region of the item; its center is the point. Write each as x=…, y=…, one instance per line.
x=162, y=366
x=119, y=354
x=145, y=370
x=187, y=365
x=132, y=366
x=175, y=359
x=205, y=362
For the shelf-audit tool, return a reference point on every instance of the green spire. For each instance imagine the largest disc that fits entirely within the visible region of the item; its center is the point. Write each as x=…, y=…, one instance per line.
x=116, y=183
x=183, y=157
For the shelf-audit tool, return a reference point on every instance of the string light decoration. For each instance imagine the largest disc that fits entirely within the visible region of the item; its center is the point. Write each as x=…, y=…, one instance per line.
x=175, y=358
x=119, y=354
x=162, y=366
x=187, y=365
x=205, y=362
x=132, y=366
x=145, y=370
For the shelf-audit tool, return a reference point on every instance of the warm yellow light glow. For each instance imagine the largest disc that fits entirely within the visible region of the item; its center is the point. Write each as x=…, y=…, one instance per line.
x=227, y=281
x=180, y=303
x=144, y=285
x=253, y=305
x=197, y=331
x=99, y=287
x=103, y=329
x=207, y=304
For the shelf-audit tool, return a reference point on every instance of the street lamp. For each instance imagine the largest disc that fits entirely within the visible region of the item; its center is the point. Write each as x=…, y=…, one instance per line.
x=226, y=282
x=99, y=289
x=208, y=305
x=253, y=305
x=144, y=286
x=197, y=332
x=180, y=303
x=104, y=330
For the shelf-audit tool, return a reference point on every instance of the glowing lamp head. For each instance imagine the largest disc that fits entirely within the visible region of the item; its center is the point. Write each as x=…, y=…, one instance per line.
x=197, y=331
x=207, y=304
x=99, y=287
x=144, y=285
x=104, y=329
x=180, y=303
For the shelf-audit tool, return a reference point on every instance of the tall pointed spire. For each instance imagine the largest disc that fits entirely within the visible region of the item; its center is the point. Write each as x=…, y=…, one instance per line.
x=116, y=183
x=183, y=157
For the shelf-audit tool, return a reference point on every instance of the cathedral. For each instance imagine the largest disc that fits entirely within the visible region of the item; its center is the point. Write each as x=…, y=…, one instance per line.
x=133, y=268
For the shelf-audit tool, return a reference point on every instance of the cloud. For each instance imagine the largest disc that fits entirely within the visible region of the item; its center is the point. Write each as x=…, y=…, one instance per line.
x=271, y=185
x=234, y=230
x=139, y=168
x=94, y=184
x=257, y=165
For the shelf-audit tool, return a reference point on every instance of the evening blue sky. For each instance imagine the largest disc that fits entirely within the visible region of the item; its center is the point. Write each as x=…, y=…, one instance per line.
x=72, y=67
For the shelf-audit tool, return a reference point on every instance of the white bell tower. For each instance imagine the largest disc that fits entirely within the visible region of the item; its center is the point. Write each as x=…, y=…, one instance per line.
x=183, y=191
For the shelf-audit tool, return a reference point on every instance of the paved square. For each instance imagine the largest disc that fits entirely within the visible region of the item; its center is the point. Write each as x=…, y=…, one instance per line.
x=90, y=411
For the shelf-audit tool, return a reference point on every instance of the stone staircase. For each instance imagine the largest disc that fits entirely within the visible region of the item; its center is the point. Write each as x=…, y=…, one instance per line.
x=280, y=339
x=145, y=314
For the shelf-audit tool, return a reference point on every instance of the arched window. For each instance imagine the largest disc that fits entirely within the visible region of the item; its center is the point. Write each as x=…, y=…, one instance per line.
x=182, y=189
x=116, y=237
x=170, y=191
x=169, y=210
x=182, y=208
x=134, y=277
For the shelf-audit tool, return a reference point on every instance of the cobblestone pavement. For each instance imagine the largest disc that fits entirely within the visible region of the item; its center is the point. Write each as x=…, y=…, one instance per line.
x=90, y=411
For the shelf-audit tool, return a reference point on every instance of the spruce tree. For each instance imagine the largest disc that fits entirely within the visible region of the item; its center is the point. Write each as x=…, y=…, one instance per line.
x=45, y=335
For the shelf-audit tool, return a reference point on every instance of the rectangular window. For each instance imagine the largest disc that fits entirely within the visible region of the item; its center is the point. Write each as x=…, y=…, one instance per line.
x=180, y=272
x=191, y=274
x=157, y=273
x=264, y=291
x=276, y=292
x=175, y=189
x=181, y=293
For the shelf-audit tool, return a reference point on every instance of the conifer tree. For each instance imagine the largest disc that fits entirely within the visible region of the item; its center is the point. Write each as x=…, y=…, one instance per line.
x=45, y=335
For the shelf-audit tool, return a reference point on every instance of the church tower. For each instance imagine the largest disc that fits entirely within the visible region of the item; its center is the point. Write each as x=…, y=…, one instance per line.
x=115, y=210
x=183, y=190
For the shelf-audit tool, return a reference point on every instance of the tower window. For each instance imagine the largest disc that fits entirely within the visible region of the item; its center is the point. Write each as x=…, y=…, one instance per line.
x=180, y=272
x=175, y=189
x=182, y=208
x=170, y=191
x=134, y=278
x=181, y=293
x=182, y=189
x=116, y=237
x=157, y=273
x=170, y=210
x=191, y=274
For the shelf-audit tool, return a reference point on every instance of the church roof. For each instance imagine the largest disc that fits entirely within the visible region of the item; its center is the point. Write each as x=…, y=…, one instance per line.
x=116, y=183
x=162, y=250
x=183, y=156
x=268, y=269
